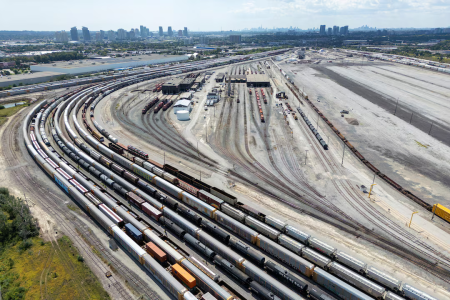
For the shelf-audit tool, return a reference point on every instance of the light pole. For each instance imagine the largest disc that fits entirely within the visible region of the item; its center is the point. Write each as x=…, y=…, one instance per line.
x=396, y=107
x=412, y=215
x=431, y=127
x=343, y=152
x=371, y=187
x=306, y=156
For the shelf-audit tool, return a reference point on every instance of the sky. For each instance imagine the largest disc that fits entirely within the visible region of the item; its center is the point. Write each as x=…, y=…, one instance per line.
x=214, y=15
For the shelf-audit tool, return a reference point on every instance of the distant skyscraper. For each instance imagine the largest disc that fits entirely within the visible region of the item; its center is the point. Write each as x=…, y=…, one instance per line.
x=185, y=33
x=137, y=32
x=330, y=31
x=74, y=34
x=132, y=34
x=121, y=34
x=143, y=32
x=322, y=29
x=180, y=33
x=102, y=34
x=344, y=30
x=335, y=30
x=161, y=32
x=235, y=39
x=111, y=35
x=98, y=36
x=61, y=37
x=86, y=34
x=169, y=31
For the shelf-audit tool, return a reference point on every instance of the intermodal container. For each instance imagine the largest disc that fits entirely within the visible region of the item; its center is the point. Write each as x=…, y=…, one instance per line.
x=156, y=253
x=133, y=232
x=442, y=211
x=184, y=276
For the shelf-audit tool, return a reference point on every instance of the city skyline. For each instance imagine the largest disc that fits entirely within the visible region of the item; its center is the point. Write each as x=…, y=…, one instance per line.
x=234, y=15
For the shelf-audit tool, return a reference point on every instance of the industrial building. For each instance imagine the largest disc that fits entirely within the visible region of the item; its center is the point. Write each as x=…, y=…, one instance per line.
x=93, y=66
x=181, y=105
x=220, y=77
x=238, y=78
x=186, y=84
x=258, y=80
x=26, y=79
x=171, y=87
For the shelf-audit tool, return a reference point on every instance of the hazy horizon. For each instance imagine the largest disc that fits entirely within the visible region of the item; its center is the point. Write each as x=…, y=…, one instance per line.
x=51, y=15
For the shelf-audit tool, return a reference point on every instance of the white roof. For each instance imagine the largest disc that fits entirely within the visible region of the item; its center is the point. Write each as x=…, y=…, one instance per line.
x=182, y=102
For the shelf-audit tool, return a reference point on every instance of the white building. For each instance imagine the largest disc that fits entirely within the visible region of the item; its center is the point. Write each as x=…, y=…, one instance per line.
x=182, y=105
x=213, y=95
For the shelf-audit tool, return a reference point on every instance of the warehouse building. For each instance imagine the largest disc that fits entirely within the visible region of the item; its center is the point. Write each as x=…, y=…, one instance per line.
x=258, y=80
x=186, y=84
x=181, y=105
x=105, y=64
x=172, y=86
x=220, y=77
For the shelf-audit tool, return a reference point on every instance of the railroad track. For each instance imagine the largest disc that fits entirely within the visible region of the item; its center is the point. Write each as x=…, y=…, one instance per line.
x=350, y=194
x=29, y=183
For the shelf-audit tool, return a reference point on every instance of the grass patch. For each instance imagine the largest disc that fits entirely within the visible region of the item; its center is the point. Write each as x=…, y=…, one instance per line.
x=64, y=275
x=8, y=112
x=33, y=269
x=3, y=120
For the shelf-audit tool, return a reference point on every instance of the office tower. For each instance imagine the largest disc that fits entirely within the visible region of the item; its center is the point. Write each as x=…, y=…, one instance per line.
x=345, y=30
x=180, y=33
x=322, y=29
x=86, y=34
x=161, y=32
x=102, y=34
x=61, y=37
x=235, y=39
x=121, y=34
x=335, y=30
x=169, y=31
x=143, y=32
x=330, y=31
x=74, y=34
x=132, y=34
x=185, y=33
x=111, y=35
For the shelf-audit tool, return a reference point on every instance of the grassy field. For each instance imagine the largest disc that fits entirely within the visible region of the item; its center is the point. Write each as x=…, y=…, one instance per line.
x=46, y=271
x=8, y=112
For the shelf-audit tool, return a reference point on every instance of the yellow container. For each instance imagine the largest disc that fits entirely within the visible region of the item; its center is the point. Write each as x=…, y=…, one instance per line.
x=442, y=211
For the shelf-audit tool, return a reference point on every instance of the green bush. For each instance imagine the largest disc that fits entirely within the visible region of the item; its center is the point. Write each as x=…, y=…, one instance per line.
x=4, y=191
x=26, y=244
x=80, y=258
x=2, y=107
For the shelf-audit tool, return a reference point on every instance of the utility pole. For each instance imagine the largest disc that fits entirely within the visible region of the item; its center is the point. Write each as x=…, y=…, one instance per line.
x=197, y=150
x=164, y=157
x=343, y=152
x=396, y=107
x=429, y=132
x=412, y=114
x=306, y=156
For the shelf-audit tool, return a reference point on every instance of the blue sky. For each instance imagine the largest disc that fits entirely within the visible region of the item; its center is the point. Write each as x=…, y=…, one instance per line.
x=226, y=15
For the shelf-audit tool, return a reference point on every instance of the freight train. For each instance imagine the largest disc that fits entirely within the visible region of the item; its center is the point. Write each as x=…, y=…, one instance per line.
x=249, y=221
x=313, y=129
x=241, y=230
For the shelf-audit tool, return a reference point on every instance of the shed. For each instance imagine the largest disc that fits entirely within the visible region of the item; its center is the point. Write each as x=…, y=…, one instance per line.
x=186, y=84
x=186, y=95
x=113, y=245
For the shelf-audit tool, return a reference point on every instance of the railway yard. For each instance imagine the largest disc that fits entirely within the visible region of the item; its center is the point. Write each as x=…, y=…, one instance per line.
x=264, y=194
